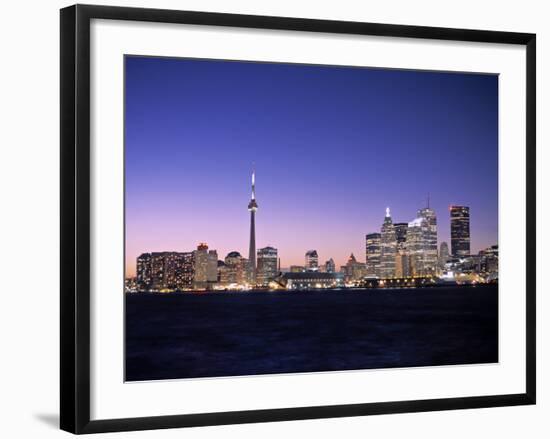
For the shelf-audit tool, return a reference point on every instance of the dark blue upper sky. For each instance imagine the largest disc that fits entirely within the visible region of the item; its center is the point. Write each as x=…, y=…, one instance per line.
x=332, y=146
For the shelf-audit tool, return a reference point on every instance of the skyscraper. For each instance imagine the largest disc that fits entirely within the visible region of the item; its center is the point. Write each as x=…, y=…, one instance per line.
x=430, y=239
x=252, y=207
x=388, y=247
x=372, y=252
x=416, y=246
x=206, y=267
x=312, y=260
x=460, y=230
x=143, y=271
x=401, y=257
x=443, y=254
x=267, y=265
x=330, y=266
x=235, y=272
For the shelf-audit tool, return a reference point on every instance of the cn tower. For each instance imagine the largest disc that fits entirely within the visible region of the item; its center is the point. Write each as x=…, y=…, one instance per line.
x=252, y=207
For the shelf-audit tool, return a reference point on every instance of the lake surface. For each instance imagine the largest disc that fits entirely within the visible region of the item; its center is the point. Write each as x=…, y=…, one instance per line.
x=191, y=335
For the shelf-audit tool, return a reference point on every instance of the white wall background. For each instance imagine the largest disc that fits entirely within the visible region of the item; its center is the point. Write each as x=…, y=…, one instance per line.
x=29, y=249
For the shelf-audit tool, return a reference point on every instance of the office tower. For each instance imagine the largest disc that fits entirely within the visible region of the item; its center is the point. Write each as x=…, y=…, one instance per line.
x=252, y=207
x=235, y=271
x=388, y=247
x=430, y=239
x=401, y=232
x=443, y=254
x=372, y=250
x=144, y=272
x=460, y=230
x=416, y=246
x=212, y=267
x=401, y=257
x=201, y=266
x=312, y=261
x=267, y=265
x=330, y=266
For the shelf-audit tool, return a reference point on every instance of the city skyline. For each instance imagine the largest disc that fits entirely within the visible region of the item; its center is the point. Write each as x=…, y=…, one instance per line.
x=310, y=199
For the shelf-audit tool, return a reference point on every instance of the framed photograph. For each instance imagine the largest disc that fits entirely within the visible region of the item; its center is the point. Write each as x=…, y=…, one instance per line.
x=268, y=219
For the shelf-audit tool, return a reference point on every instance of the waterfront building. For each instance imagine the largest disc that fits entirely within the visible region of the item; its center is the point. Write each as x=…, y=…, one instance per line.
x=489, y=260
x=353, y=270
x=267, y=265
x=311, y=280
x=312, y=261
x=372, y=251
x=164, y=271
x=249, y=274
x=401, y=257
x=235, y=270
x=252, y=207
x=297, y=269
x=402, y=263
x=206, y=267
x=212, y=267
x=430, y=240
x=330, y=266
x=443, y=254
x=144, y=274
x=185, y=270
x=222, y=272
x=415, y=246
x=157, y=271
x=460, y=230
x=388, y=247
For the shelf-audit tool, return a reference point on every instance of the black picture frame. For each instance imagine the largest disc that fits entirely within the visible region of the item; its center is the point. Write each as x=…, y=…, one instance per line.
x=75, y=218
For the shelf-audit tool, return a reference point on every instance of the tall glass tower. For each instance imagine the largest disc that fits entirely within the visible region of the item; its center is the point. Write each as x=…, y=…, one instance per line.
x=388, y=247
x=460, y=231
x=252, y=207
x=430, y=239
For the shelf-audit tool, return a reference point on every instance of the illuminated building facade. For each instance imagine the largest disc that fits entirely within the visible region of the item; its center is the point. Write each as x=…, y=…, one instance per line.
x=311, y=280
x=401, y=257
x=235, y=271
x=144, y=274
x=353, y=270
x=460, y=230
x=297, y=269
x=312, y=261
x=206, y=267
x=164, y=271
x=430, y=240
x=267, y=265
x=415, y=246
x=372, y=251
x=388, y=247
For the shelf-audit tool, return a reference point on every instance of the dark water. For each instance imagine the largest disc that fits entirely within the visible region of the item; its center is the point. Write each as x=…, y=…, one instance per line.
x=226, y=334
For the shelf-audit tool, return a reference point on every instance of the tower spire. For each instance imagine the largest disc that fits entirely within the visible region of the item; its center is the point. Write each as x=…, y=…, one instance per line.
x=253, y=182
x=252, y=207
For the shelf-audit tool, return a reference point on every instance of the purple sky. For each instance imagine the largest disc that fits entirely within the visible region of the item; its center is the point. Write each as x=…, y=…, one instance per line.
x=332, y=147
